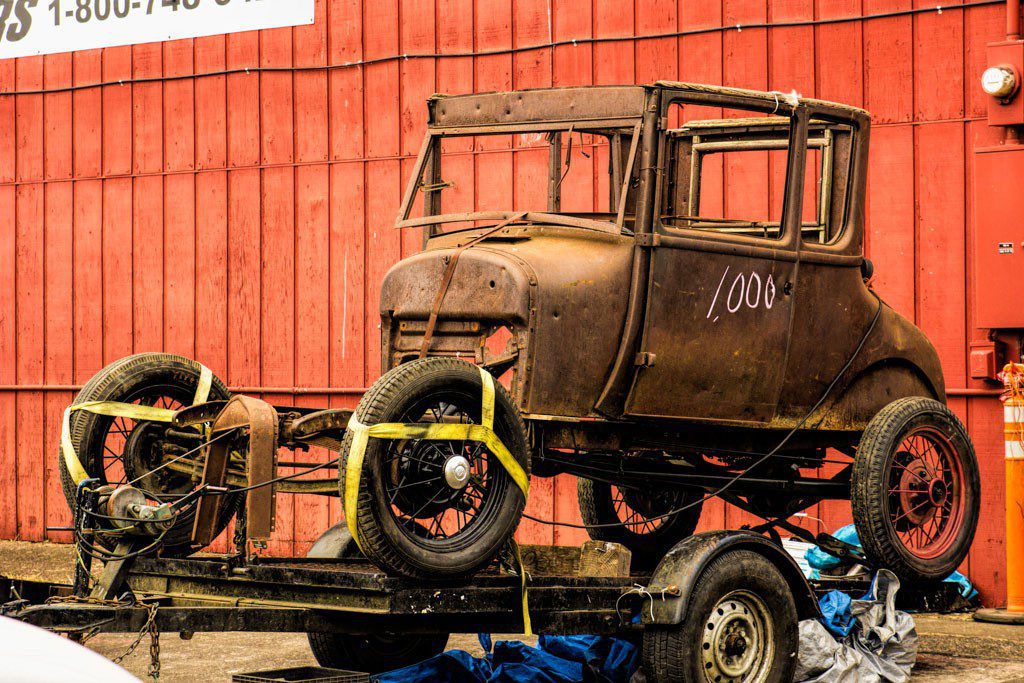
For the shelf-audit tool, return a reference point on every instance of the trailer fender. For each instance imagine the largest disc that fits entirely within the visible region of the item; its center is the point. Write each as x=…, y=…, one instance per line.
x=335, y=544
x=677, y=574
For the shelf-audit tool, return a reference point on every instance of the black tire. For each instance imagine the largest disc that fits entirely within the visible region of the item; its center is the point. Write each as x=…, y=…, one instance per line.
x=740, y=589
x=400, y=546
x=916, y=490
x=376, y=653
x=370, y=653
x=141, y=377
x=648, y=541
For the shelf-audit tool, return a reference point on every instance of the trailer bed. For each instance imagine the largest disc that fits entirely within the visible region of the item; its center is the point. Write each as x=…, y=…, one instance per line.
x=215, y=593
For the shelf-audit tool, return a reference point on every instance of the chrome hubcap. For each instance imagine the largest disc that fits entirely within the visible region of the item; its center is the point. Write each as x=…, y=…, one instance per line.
x=456, y=472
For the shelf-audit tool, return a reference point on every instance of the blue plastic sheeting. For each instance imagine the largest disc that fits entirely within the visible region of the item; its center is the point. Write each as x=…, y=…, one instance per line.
x=835, y=613
x=556, y=659
x=818, y=559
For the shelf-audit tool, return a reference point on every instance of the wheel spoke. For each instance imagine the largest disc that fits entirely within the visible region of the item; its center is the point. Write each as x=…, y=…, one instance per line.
x=910, y=510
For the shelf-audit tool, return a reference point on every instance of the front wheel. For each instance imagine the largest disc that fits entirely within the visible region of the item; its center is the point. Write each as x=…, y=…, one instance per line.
x=916, y=490
x=427, y=508
x=740, y=625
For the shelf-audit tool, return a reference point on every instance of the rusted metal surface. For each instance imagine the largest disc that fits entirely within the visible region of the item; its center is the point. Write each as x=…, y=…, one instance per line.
x=657, y=329
x=260, y=421
x=640, y=324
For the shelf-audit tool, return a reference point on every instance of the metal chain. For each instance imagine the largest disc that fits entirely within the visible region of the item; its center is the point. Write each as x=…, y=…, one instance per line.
x=151, y=629
x=154, y=645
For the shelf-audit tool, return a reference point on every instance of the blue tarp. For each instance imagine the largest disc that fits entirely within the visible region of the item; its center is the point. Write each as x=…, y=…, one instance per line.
x=819, y=559
x=556, y=659
x=835, y=613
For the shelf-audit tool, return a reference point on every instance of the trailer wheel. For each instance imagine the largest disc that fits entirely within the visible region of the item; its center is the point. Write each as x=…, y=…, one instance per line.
x=119, y=450
x=740, y=625
x=915, y=489
x=435, y=508
x=647, y=538
x=374, y=654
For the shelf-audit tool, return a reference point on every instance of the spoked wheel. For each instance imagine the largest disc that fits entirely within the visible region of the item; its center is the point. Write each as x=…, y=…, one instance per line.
x=915, y=489
x=120, y=451
x=636, y=518
x=740, y=626
x=438, y=489
x=435, y=508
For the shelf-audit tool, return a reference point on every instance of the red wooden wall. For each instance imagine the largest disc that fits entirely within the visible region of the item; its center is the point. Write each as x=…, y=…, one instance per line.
x=245, y=219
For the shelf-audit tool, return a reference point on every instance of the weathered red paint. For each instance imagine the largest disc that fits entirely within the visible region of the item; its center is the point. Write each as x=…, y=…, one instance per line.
x=203, y=216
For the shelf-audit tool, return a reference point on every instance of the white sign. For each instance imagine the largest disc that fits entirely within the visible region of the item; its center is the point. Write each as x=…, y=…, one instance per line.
x=38, y=27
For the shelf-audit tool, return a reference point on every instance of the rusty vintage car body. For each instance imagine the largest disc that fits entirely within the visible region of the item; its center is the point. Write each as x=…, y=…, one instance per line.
x=655, y=344
x=689, y=317
x=616, y=318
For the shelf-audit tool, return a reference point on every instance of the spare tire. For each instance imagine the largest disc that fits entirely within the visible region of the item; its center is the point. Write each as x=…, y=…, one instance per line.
x=118, y=450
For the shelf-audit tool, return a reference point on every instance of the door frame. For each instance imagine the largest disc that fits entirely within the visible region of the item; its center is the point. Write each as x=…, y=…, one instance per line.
x=787, y=247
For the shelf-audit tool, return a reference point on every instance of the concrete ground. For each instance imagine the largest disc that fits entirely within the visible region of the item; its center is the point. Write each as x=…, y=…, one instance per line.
x=954, y=648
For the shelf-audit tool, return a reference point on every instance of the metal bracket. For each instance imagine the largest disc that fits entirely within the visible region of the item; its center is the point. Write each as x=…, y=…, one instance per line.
x=647, y=239
x=645, y=359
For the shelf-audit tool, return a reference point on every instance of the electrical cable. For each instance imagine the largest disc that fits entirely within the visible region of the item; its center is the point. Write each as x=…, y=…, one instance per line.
x=739, y=475
x=567, y=42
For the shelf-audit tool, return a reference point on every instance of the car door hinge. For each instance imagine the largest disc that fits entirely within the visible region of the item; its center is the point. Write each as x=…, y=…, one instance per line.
x=648, y=239
x=645, y=359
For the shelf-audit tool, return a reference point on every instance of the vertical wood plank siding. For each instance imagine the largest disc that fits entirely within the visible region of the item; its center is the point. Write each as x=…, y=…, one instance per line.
x=246, y=219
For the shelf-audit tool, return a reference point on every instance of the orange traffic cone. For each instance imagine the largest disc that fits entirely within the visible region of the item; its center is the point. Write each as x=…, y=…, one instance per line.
x=1013, y=432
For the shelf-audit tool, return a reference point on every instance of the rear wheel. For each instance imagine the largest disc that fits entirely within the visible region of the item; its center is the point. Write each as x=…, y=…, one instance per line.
x=740, y=625
x=915, y=489
x=636, y=516
x=119, y=451
x=435, y=508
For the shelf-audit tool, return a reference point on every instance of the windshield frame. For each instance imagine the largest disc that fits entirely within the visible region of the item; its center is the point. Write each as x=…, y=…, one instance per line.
x=427, y=163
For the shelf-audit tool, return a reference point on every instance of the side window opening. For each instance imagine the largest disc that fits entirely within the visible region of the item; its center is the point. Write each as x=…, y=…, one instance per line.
x=729, y=175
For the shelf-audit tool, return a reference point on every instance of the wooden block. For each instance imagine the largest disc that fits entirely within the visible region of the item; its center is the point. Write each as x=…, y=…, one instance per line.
x=603, y=558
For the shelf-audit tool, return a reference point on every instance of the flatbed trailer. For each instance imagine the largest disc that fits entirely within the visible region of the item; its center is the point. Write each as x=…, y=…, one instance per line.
x=351, y=597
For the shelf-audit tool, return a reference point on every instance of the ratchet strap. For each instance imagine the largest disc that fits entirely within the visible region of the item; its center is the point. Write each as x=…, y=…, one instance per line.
x=481, y=433
x=131, y=411
x=518, y=557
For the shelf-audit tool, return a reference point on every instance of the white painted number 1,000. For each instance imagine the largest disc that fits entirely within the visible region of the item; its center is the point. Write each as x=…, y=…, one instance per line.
x=746, y=290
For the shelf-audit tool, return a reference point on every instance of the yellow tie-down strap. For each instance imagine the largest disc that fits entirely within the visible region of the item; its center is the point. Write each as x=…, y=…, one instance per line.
x=132, y=411
x=481, y=433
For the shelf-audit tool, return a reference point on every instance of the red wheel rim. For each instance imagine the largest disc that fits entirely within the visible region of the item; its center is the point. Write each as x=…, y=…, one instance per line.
x=635, y=510
x=926, y=497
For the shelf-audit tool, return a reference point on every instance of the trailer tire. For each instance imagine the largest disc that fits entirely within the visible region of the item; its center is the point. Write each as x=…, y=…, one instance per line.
x=740, y=624
x=126, y=380
x=598, y=509
x=396, y=542
x=897, y=489
x=374, y=654
x=370, y=653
